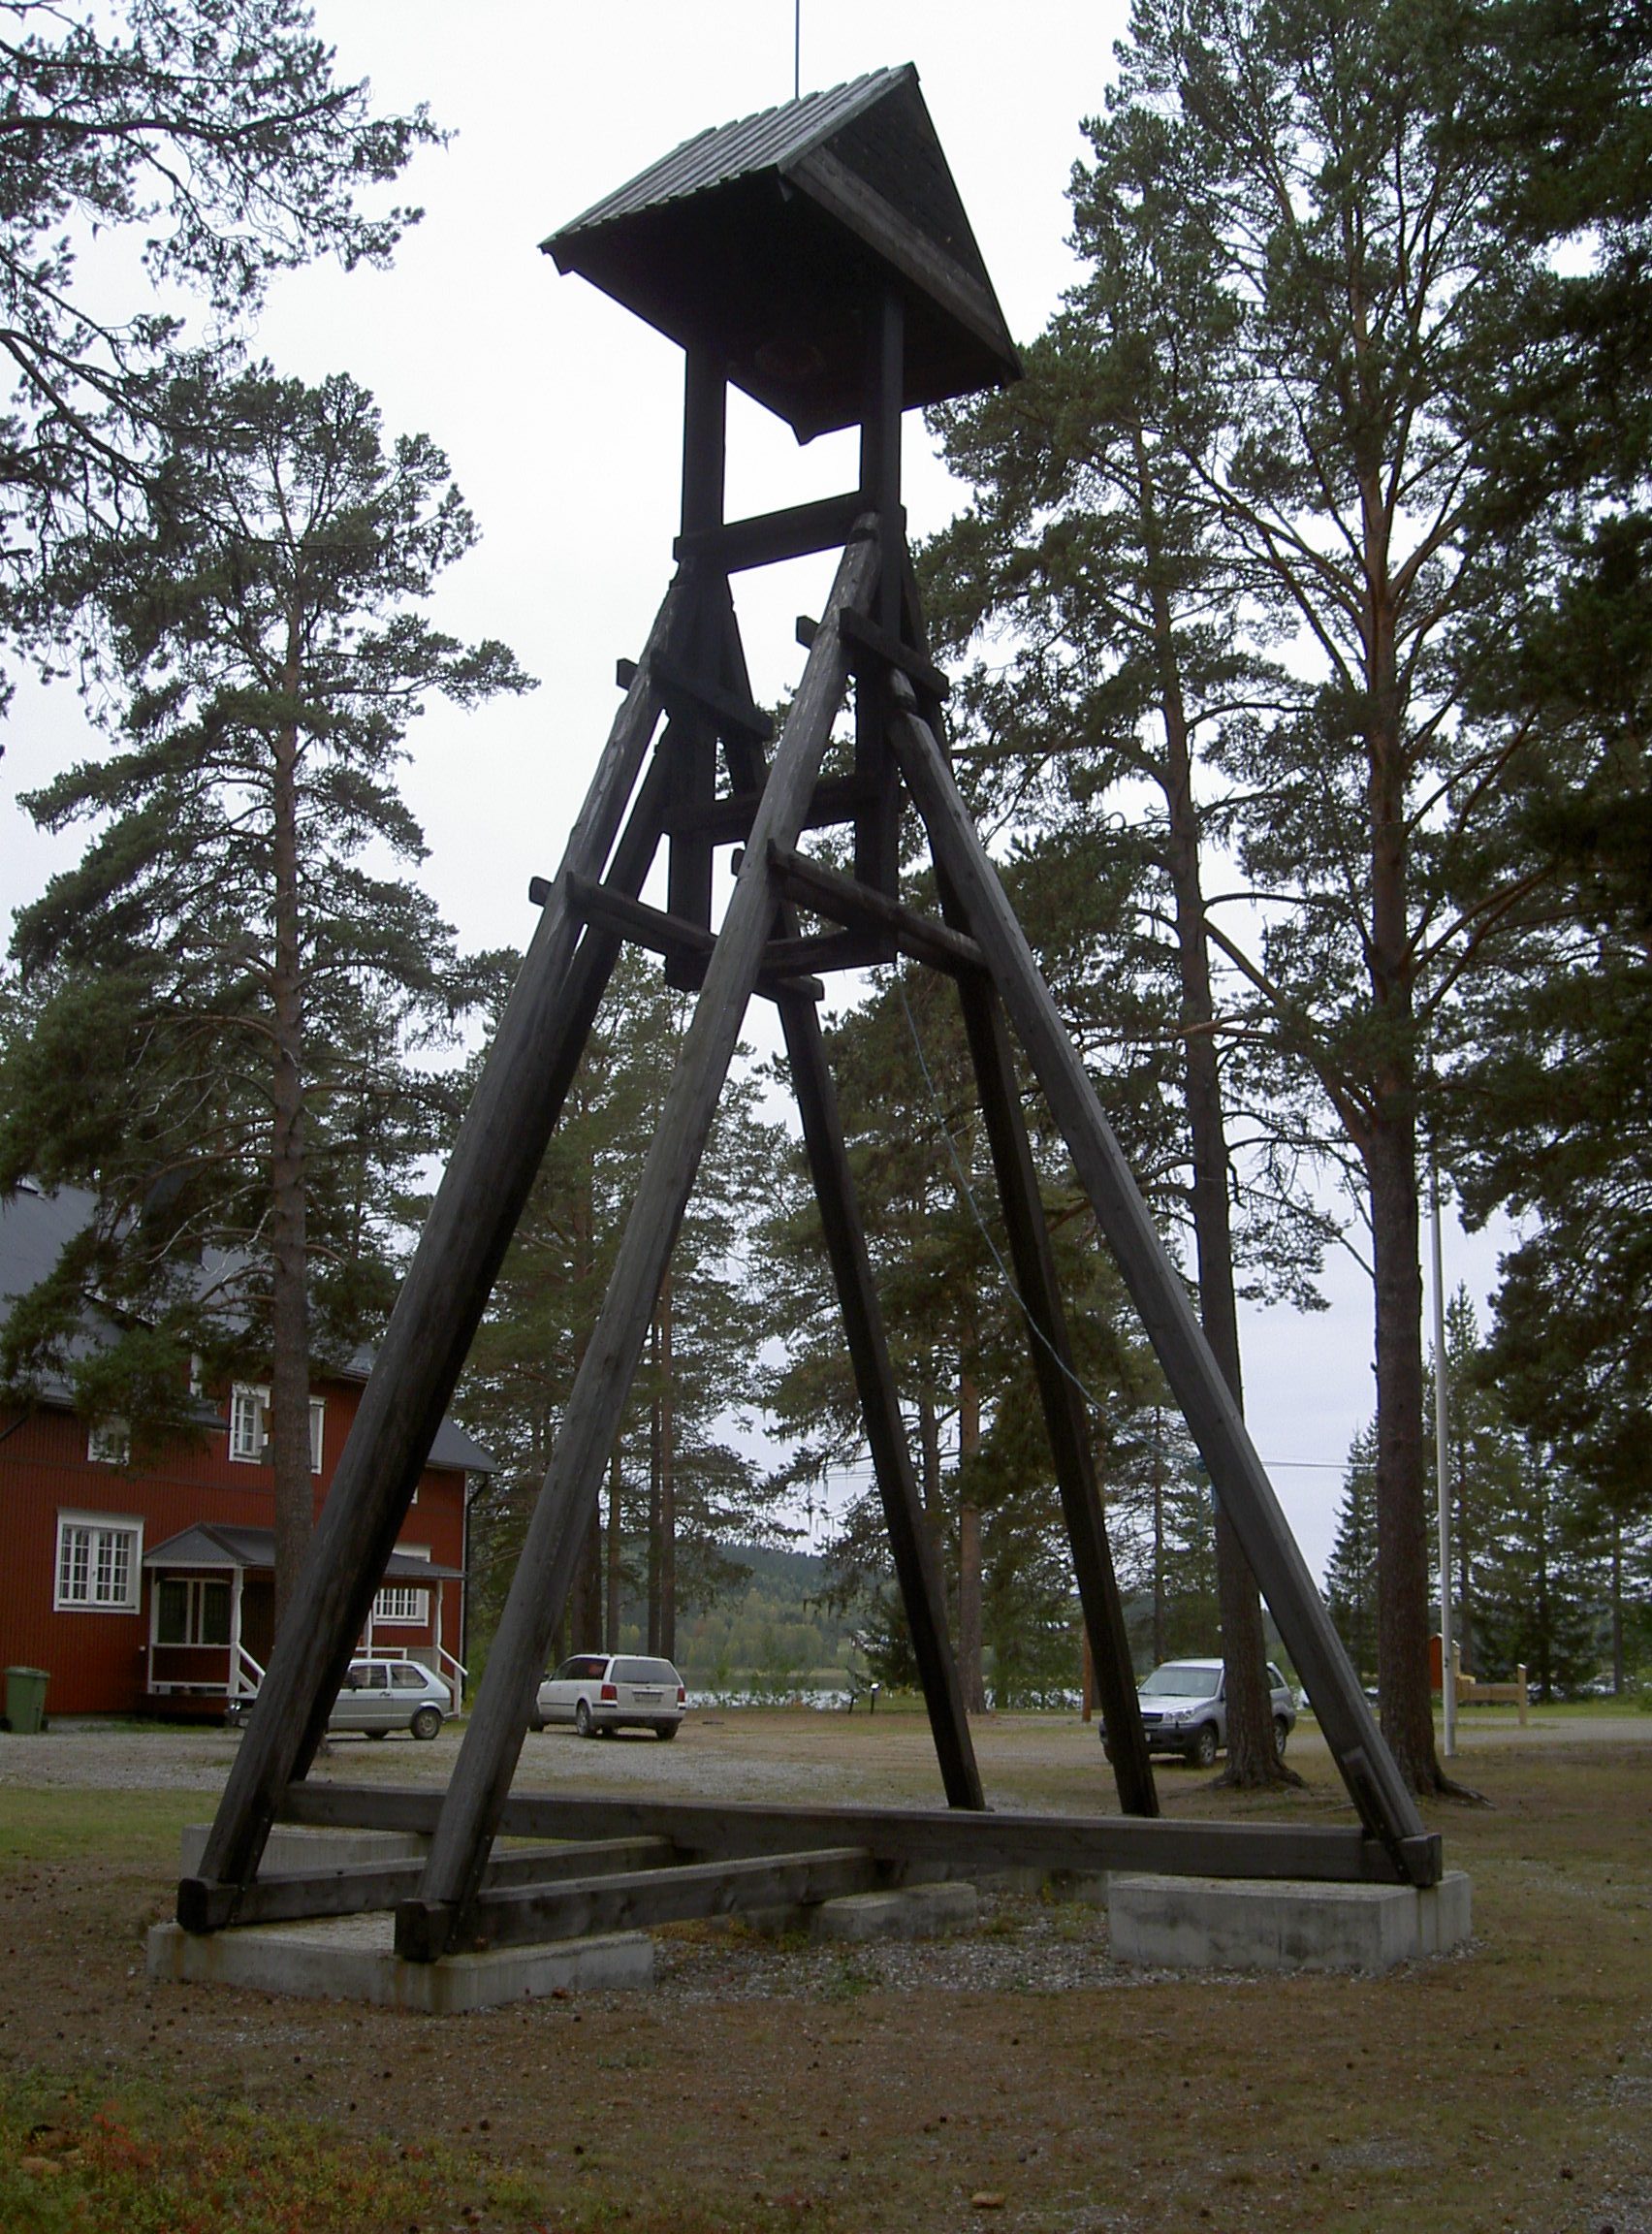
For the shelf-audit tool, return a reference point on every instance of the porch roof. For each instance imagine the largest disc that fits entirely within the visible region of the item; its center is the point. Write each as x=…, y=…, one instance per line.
x=253, y=1549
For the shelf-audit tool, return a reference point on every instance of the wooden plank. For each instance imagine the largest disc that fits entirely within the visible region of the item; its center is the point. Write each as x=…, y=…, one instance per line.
x=532, y=1914
x=916, y=1567
x=591, y=1420
x=963, y=1840
x=686, y=694
x=828, y=892
x=909, y=1541
x=483, y=1188
x=359, y=1888
x=837, y=799
x=768, y=538
x=1059, y=1391
x=1368, y=1769
x=888, y=649
x=669, y=935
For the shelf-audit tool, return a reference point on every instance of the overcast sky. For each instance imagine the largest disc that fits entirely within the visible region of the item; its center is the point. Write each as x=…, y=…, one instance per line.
x=561, y=416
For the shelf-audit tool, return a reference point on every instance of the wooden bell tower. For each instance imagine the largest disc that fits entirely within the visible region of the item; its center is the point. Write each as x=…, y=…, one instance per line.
x=819, y=257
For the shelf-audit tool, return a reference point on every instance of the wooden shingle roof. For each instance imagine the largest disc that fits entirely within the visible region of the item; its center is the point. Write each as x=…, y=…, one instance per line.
x=771, y=238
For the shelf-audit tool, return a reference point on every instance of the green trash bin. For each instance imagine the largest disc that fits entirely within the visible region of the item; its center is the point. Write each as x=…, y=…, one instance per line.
x=25, y=1700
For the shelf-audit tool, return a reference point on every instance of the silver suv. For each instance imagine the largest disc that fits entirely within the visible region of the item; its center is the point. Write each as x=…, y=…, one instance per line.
x=1184, y=1711
x=599, y=1692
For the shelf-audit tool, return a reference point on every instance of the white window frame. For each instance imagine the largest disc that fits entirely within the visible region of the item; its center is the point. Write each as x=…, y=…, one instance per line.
x=249, y=1428
x=195, y=1588
x=109, y=1443
x=98, y=1566
x=404, y=1605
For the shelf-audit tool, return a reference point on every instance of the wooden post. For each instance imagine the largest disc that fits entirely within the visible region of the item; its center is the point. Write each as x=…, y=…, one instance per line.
x=910, y=1539
x=1368, y=1769
x=487, y=1757
x=487, y=1181
x=1039, y=1295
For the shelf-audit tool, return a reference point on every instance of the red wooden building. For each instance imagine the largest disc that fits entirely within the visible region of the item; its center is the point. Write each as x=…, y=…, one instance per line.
x=149, y=1587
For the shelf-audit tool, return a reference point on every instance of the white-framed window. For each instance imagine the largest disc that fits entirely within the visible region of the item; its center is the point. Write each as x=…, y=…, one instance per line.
x=406, y=1602
x=400, y=1601
x=99, y=1557
x=249, y=1425
x=192, y=1609
x=109, y=1443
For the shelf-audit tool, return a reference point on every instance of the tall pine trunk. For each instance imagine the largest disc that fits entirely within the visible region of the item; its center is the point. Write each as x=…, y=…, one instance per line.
x=1251, y=1759
x=294, y=1492
x=970, y=1672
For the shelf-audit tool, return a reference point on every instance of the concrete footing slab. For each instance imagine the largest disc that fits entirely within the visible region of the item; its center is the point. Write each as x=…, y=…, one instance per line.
x=911, y=1912
x=295, y=1847
x=1226, y=1923
x=354, y=1958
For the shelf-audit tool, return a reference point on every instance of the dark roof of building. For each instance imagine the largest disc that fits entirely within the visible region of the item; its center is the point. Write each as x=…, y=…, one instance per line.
x=35, y=1229
x=772, y=238
x=206, y=1544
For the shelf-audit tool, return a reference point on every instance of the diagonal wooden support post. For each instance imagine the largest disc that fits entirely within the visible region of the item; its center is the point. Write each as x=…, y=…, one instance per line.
x=1039, y=1295
x=885, y=1431
x=492, y=1742
x=495, y=1157
x=1368, y=1769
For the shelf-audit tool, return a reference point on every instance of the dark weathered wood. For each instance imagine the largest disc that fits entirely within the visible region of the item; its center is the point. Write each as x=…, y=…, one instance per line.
x=837, y=799
x=359, y=1888
x=768, y=538
x=595, y=1404
x=728, y=1886
x=1058, y=1390
x=1367, y=1768
x=889, y=650
x=483, y=1188
x=962, y=1840
x=831, y=893
x=909, y=1541
x=670, y=936
x=685, y=694
x=916, y=1568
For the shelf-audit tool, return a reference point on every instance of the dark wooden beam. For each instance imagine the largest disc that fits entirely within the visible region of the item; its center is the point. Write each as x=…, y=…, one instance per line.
x=485, y=1184
x=828, y=892
x=883, y=647
x=1059, y=1394
x=960, y=1840
x=686, y=695
x=539, y=1590
x=835, y=799
x=1368, y=1769
x=531, y=1914
x=768, y=538
x=359, y=1888
x=668, y=934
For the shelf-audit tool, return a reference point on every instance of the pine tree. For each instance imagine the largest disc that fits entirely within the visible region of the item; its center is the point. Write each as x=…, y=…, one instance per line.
x=213, y=138
x=1350, y=1572
x=226, y=996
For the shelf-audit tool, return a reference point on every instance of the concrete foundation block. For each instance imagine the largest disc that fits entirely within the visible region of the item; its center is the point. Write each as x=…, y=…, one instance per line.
x=913, y=1912
x=1228, y=1923
x=354, y=1958
x=293, y=1846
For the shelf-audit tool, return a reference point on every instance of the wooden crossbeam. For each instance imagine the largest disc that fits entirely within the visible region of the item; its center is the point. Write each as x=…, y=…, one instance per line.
x=633, y=1901
x=685, y=694
x=358, y=1888
x=964, y=1841
x=882, y=648
x=828, y=892
x=662, y=933
x=768, y=538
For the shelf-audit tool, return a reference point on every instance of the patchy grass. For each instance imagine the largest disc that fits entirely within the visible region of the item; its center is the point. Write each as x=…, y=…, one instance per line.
x=1509, y=2088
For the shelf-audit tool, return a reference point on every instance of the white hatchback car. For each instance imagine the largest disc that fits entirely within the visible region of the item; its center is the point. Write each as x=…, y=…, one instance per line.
x=599, y=1692
x=379, y=1696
